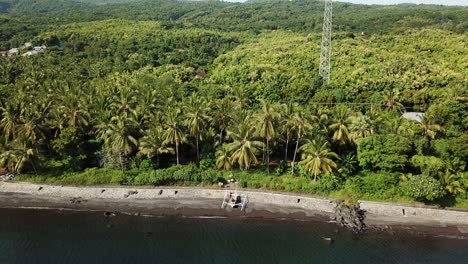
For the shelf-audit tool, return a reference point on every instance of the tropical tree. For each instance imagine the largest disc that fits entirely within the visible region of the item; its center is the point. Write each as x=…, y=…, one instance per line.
x=223, y=158
x=398, y=126
x=340, y=125
x=10, y=118
x=197, y=118
x=317, y=157
x=349, y=164
x=451, y=182
x=266, y=120
x=119, y=136
x=300, y=125
x=221, y=116
x=17, y=155
x=245, y=145
x=152, y=143
x=174, y=130
x=32, y=127
x=124, y=97
x=287, y=123
x=429, y=128
x=73, y=105
x=361, y=126
x=390, y=100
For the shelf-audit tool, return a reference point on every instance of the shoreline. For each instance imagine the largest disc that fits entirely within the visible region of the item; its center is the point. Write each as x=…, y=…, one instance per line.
x=205, y=202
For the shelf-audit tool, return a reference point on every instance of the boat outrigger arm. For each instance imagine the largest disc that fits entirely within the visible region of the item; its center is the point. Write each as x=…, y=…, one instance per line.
x=235, y=200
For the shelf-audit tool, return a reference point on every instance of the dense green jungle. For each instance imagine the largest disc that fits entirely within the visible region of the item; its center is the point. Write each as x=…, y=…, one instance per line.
x=163, y=92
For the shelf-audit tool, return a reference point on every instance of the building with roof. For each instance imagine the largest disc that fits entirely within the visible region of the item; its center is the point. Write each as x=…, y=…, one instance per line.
x=414, y=116
x=13, y=51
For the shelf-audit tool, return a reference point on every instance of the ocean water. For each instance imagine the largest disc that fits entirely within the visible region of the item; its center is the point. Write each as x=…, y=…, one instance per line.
x=48, y=236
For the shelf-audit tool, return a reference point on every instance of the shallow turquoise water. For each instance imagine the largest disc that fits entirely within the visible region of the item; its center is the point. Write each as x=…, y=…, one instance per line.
x=43, y=236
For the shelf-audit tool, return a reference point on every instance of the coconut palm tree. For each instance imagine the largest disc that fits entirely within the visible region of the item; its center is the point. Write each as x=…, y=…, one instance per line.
x=119, y=136
x=10, y=119
x=32, y=127
x=317, y=157
x=223, y=158
x=300, y=125
x=361, y=126
x=17, y=155
x=390, y=100
x=399, y=126
x=245, y=146
x=266, y=120
x=152, y=143
x=197, y=118
x=451, y=182
x=72, y=104
x=340, y=126
x=430, y=128
x=221, y=116
x=174, y=130
x=124, y=98
x=240, y=97
x=287, y=123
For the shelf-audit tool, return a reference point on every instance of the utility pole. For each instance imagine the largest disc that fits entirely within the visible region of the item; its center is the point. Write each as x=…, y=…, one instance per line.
x=326, y=47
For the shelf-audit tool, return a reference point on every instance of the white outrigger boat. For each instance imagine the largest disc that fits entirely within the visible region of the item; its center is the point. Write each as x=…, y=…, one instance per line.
x=233, y=199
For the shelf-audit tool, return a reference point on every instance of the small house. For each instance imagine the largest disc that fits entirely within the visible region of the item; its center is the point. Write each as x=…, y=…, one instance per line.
x=414, y=116
x=13, y=51
x=30, y=53
x=26, y=45
x=39, y=49
x=3, y=53
x=201, y=75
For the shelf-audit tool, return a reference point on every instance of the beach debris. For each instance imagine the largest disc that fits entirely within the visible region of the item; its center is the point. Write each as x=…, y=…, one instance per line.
x=160, y=192
x=109, y=214
x=75, y=200
x=136, y=214
x=220, y=184
x=349, y=216
x=232, y=180
x=176, y=192
x=103, y=190
x=8, y=176
x=40, y=188
x=130, y=193
x=328, y=240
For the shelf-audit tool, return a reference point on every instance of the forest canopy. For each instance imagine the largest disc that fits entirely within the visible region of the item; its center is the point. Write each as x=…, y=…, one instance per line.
x=115, y=91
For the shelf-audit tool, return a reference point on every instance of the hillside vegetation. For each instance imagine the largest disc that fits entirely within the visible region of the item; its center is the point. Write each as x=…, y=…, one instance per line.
x=166, y=92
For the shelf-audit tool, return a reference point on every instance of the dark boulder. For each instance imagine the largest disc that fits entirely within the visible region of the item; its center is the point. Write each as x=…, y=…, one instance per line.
x=349, y=216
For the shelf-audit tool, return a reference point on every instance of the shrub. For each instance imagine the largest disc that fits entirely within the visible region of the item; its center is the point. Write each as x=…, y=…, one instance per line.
x=147, y=165
x=378, y=184
x=423, y=188
x=325, y=185
x=282, y=167
x=207, y=163
x=387, y=152
x=212, y=176
x=184, y=174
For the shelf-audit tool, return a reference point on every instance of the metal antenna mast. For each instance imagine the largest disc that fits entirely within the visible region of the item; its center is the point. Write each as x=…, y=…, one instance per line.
x=326, y=47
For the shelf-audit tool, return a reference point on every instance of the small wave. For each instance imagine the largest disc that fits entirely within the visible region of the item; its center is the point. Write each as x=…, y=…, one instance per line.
x=206, y=217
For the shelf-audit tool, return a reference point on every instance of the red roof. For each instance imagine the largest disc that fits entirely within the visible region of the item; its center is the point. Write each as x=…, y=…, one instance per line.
x=201, y=74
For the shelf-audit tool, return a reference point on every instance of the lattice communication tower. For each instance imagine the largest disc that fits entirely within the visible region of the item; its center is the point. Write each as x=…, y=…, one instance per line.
x=326, y=47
